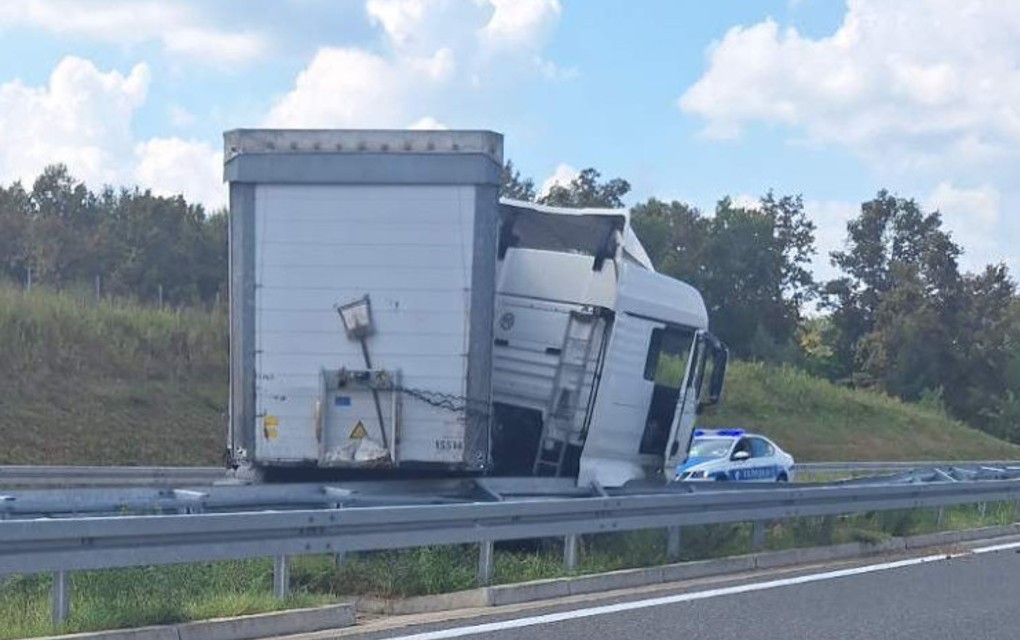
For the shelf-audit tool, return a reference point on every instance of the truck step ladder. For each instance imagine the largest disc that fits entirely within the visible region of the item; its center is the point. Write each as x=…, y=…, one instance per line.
x=568, y=389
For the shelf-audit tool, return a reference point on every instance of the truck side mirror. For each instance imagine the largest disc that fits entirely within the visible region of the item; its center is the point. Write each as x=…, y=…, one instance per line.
x=720, y=356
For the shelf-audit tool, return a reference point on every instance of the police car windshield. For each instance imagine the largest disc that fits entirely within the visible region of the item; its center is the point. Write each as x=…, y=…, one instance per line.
x=710, y=447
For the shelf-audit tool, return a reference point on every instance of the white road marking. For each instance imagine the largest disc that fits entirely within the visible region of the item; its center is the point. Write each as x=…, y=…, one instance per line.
x=550, y=618
x=997, y=547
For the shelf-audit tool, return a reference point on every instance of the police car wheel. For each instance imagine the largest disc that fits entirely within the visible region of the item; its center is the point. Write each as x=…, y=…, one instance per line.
x=782, y=478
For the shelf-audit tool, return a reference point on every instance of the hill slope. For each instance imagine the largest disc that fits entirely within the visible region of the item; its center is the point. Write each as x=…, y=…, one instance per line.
x=116, y=383
x=819, y=421
x=86, y=383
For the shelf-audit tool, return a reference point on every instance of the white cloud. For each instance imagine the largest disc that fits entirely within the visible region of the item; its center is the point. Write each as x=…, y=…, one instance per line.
x=399, y=18
x=562, y=176
x=517, y=24
x=979, y=205
x=745, y=201
x=830, y=218
x=81, y=118
x=428, y=47
x=428, y=123
x=897, y=82
x=172, y=166
x=211, y=44
x=973, y=216
x=928, y=95
x=179, y=29
x=181, y=117
x=347, y=88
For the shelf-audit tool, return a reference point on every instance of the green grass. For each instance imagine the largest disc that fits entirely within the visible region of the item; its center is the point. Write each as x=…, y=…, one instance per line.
x=818, y=421
x=109, y=382
x=144, y=596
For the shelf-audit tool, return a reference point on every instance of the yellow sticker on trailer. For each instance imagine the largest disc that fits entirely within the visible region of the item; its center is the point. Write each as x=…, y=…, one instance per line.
x=358, y=432
x=269, y=427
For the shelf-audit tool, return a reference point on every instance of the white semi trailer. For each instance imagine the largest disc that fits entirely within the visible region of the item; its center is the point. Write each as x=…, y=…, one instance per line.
x=389, y=313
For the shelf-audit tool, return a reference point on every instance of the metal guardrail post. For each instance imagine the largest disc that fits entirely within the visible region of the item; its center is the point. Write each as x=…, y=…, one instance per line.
x=570, y=547
x=939, y=517
x=485, y=553
x=61, y=597
x=758, y=530
x=281, y=577
x=674, y=541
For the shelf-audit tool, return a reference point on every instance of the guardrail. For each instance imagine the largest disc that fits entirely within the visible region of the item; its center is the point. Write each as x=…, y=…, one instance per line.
x=96, y=476
x=30, y=476
x=851, y=467
x=64, y=545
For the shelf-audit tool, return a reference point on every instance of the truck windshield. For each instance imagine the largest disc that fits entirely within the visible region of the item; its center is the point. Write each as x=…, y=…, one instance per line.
x=710, y=447
x=582, y=234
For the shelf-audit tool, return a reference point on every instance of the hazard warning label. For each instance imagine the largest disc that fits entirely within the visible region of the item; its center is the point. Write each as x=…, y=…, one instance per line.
x=358, y=432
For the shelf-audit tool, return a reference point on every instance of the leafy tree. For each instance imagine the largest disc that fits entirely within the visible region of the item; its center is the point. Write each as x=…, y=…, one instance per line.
x=891, y=242
x=675, y=235
x=135, y=241
x=62, y=244
x=587, y=191
x=158, y=242
x=909, y=323
x=15, y=214
x=513, y=186
x=748, y=263
x=983, y=380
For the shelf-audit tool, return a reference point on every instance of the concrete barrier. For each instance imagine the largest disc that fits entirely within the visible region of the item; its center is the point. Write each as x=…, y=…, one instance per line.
x=528, y=591
x=706, y=568
x=260, y=625
x=425, y=604
x=264, y=625
x=140, y=633
x=613, y=580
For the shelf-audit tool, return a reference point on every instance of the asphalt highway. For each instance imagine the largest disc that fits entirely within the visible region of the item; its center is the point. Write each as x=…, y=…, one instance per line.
x=973, y=596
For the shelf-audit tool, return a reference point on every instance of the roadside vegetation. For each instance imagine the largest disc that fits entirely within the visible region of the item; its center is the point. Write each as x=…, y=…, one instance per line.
x=816, y=420
x=109, y=382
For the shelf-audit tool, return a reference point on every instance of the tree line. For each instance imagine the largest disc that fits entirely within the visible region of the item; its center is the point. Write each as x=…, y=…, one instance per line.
x=125, y=243
x=901, y=316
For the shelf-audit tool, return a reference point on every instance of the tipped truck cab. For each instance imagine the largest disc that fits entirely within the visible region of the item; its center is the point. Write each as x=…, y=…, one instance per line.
x=600, y=364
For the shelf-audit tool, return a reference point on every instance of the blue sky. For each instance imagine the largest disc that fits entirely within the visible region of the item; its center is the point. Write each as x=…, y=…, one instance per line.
x=687, y=100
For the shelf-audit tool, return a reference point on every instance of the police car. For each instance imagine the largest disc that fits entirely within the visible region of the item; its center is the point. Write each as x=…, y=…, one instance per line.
x=734, y=454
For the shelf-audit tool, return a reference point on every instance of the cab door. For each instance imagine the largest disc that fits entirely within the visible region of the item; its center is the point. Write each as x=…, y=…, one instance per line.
x=686, y=409
x=672, y=359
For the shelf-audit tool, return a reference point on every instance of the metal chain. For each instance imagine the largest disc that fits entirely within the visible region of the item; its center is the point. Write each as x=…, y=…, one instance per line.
x=448, y=401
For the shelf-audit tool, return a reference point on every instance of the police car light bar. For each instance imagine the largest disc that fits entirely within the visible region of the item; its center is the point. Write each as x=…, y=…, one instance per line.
x=736, y=433
x=730, y=432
